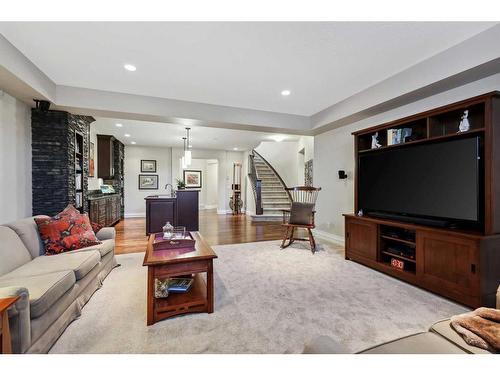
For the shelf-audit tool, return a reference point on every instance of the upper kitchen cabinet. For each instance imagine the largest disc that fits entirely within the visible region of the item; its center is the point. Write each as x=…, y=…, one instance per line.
x=105, y=159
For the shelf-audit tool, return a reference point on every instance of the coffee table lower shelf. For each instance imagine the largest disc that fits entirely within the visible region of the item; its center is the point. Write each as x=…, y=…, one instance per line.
x=194, y=300
x=165, y=264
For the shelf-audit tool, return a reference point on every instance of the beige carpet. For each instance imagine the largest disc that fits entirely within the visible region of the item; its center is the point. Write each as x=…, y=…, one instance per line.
x=267, y=301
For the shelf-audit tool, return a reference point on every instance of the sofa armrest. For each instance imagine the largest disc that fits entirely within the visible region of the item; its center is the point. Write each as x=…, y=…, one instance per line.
x=106, y=233
x=19, y=318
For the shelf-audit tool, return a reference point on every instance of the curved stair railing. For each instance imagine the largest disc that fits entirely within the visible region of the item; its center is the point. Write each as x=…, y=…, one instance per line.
x=257, y=183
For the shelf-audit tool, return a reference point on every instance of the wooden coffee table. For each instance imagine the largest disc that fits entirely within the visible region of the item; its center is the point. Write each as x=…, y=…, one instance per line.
x=6, y=344
x=163, y=264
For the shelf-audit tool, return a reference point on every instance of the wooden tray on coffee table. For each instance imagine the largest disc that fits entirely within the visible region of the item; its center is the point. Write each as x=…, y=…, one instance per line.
x=159, y=243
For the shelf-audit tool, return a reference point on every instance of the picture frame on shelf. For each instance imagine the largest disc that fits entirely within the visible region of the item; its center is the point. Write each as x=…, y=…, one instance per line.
x=193, y=179
x=148, y=166
x=148, y=182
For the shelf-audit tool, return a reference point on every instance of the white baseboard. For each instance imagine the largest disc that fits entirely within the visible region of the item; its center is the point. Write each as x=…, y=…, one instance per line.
x=137, y=214
x=208, y=207
x=340, y=240
x=223, y=212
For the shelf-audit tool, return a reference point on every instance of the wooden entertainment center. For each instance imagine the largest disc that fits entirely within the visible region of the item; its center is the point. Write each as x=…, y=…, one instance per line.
x=463, y=265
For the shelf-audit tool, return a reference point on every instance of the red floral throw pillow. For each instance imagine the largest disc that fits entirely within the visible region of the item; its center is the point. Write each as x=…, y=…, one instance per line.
x=66, y=232
x=70, y=210
x=96, y=227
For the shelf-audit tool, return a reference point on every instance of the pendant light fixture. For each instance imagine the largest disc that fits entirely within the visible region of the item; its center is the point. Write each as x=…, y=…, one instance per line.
x=183, y=159
x=187, y=151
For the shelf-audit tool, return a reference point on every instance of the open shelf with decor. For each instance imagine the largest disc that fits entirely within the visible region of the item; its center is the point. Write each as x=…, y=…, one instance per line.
x=426, y=127
x=448, y=122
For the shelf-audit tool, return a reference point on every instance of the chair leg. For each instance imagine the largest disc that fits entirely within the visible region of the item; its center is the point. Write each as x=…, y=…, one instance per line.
x=312, y=241
x=292, y=239
x=285, y=238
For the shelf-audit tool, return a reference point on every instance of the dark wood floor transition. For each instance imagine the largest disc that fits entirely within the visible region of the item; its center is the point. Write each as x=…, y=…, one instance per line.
x=216, y=229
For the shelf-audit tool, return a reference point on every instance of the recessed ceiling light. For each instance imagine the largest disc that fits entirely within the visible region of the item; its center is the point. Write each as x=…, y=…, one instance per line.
x=119, y=125
x=130, y=67
x=133, y=142
x=278, y=137
x=235, y=148
x=286, y=92
x=127, y=135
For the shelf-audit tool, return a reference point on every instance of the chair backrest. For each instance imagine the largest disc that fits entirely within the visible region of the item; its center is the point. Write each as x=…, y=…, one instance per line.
x=304, y=194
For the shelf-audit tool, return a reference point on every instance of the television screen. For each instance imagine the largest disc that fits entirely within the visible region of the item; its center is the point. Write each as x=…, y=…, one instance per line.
x=437, y=180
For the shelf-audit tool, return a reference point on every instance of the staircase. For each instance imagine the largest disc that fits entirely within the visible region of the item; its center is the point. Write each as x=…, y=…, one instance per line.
x=269, y=190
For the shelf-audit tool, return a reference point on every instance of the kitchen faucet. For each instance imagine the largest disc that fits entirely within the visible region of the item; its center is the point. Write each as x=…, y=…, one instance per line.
x=171, y=188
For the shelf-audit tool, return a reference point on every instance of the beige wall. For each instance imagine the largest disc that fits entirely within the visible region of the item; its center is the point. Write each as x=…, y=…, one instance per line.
x=283, y=157
x=134, y=198
x=334, y=150
x=15, y=159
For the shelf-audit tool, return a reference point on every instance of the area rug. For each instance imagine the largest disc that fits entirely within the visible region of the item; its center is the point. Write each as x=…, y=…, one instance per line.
x=267, y=301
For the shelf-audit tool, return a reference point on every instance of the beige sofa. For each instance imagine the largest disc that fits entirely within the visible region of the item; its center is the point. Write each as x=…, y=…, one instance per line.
x=53, y=289
x=440, y=339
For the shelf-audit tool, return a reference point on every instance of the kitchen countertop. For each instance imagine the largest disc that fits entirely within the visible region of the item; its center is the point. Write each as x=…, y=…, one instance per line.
x=161, y=196
x=100, y=196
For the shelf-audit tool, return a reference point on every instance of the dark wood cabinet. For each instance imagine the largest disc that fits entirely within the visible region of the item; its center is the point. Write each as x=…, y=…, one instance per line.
x=188, y=209
x=463, y=266
x=105, y=210
x=105, y=156
x=158, y=213
x=181, y=210
x=361, y=238
x=448, y=261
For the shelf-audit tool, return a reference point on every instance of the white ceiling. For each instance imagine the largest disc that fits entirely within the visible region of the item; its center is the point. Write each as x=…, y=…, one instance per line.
x=170, y=135
x=234, y=64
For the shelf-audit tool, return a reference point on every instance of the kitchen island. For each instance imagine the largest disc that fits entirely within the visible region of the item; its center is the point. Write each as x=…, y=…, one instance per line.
x=180, y=209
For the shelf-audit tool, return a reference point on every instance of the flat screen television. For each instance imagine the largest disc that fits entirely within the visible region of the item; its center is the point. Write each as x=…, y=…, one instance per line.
x=432, y=182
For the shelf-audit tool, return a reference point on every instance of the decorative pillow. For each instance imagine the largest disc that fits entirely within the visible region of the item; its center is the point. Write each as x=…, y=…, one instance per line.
x=70, y=210
x=96, y=227
x=66, y=232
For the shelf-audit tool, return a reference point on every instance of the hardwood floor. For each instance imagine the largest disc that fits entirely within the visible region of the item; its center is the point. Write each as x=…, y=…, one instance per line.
x=216, y=229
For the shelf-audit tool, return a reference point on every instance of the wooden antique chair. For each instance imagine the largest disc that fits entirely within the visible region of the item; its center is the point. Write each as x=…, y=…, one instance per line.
x=300, y=214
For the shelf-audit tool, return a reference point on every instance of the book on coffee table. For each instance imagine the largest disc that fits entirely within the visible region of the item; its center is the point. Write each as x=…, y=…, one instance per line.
x=179, y=285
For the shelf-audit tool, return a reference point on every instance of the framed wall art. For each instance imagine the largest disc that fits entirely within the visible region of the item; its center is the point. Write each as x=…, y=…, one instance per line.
x=148, y=182
x=148, y=166
x=192, y=179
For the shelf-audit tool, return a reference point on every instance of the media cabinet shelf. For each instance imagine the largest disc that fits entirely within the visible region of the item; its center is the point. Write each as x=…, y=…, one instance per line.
x=460, y=264
x=397, y=240
x=426, y=140
x=399, y=257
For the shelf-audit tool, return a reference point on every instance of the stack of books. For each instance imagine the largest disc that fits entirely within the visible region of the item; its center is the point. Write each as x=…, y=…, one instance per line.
x=396, y=136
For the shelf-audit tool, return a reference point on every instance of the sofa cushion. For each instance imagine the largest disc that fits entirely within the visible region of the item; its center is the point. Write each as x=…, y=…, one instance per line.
x=421, y=343
x=13, y=253
x=66, y=232
x=27, y=231
x=104, y=248
x=44, y=290
x=80, y=263
x=444, y=329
